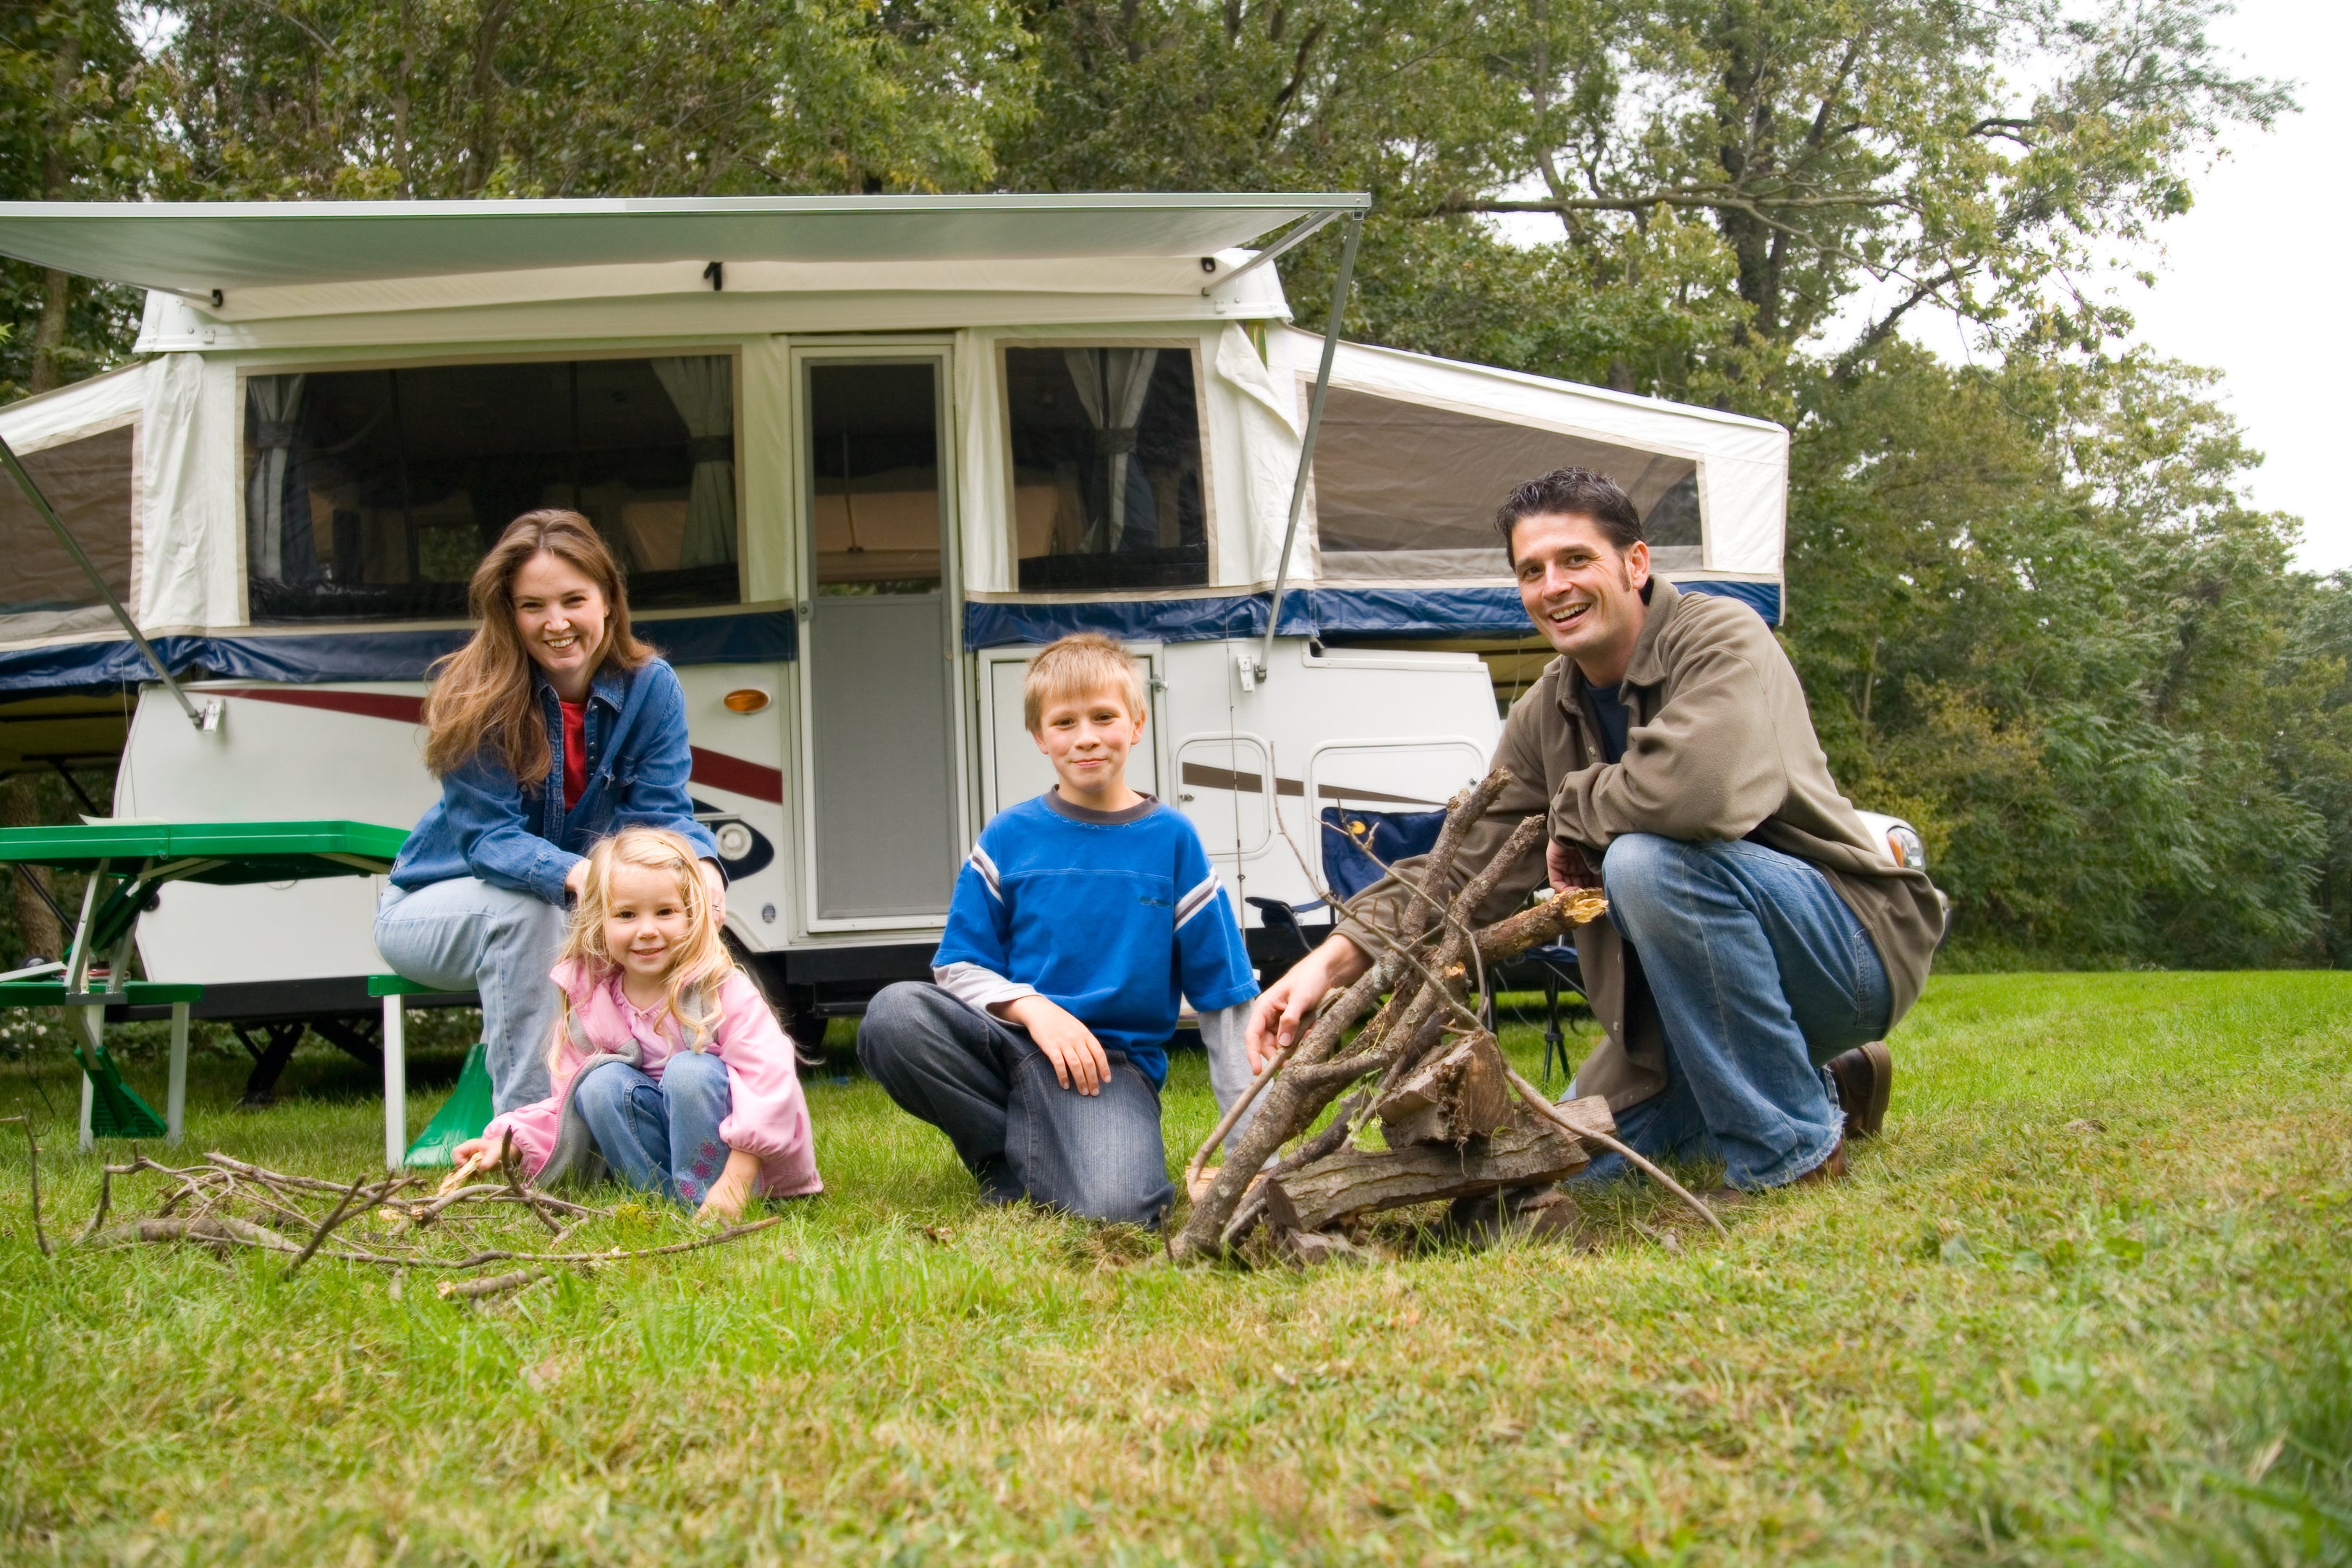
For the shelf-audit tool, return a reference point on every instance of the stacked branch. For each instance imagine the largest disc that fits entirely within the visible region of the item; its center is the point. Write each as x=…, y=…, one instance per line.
x=1455, y=1120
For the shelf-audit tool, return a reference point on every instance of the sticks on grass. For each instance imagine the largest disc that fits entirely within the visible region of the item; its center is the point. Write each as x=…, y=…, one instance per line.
x=33, y=1152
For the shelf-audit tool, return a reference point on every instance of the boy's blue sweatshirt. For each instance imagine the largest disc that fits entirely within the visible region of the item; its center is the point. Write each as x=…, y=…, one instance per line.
x=1113, y=916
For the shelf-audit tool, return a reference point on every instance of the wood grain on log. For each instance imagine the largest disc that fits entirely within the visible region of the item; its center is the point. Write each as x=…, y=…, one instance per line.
x=1463, y=1093
x=1361, y=1181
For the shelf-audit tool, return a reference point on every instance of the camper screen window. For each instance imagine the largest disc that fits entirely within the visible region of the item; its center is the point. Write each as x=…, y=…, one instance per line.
x=1106, y=468
x=372, y=495
x=1408, y=491
x=44, y=590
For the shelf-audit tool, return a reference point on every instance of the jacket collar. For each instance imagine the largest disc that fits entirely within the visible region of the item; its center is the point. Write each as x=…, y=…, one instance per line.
x=609, y=687
x=1644, y=669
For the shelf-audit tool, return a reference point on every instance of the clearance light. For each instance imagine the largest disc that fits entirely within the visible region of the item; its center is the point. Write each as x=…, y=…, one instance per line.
x=747, y=700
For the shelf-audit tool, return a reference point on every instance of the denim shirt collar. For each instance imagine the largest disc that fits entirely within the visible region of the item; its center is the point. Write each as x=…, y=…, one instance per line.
x=609, y=687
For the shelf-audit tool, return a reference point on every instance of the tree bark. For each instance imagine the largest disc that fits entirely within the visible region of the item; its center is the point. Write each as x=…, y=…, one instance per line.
x=1523, y=1153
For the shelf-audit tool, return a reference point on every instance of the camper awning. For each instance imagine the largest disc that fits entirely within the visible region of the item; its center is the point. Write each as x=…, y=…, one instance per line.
x=193, y=248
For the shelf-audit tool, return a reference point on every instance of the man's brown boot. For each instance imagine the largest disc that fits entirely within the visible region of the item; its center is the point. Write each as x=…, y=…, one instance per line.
x=1864, y=1077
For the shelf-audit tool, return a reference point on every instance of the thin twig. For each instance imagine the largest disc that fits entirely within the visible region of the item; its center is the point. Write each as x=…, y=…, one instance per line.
x=474, y=1290
x=1541, y=1104
x=514, y=1187
x=34, y=1151
x=105, y=1202
x=1248, y=1097
x=342, y=1208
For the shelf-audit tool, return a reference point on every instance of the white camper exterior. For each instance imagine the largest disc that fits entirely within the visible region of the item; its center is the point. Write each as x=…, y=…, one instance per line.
x=863, y=456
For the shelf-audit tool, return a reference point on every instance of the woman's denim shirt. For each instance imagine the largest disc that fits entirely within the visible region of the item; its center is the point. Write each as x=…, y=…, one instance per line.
x=490, y=825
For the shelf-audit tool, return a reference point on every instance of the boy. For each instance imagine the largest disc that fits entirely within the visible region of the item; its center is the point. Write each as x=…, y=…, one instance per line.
x=1079, y=921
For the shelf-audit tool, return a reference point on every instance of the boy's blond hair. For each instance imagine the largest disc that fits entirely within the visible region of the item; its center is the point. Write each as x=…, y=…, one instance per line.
x=1075, y=666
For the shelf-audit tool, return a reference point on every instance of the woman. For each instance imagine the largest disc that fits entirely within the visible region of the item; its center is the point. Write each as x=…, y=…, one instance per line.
x=552, y=728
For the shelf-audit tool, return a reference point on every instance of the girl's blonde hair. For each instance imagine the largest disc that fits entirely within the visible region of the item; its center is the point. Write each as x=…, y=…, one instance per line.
x=701, y=962
x=481, y=696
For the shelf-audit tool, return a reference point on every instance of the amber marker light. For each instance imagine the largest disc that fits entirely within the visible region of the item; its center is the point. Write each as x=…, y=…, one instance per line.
x=747, y=700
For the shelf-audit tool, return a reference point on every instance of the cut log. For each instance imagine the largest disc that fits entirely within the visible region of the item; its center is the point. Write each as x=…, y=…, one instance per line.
x=1590, y=1114
x=1309, y=1247
x=1522, y=1152
x=1458, y=1094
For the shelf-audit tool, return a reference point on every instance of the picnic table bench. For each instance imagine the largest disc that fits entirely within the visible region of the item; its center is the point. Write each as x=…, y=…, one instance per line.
x=127, y=863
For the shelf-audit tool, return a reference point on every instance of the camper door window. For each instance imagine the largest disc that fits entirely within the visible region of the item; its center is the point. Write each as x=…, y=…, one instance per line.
x=1408, y=490
x=1106, y=467
x=371, y=495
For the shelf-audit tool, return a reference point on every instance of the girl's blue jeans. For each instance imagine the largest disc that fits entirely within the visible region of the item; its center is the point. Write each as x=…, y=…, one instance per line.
x=660, y=1137
x=1761, y=974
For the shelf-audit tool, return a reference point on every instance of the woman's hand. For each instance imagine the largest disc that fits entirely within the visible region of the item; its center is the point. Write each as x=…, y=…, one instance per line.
x=732, y=1190
x=714, y=883
x=575, y=881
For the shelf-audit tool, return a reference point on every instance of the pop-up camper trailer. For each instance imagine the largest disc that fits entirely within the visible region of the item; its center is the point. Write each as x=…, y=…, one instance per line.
x=861, y=456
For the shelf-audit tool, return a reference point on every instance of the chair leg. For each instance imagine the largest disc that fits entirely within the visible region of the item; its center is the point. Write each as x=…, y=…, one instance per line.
x=175, y=1093
x=395, y=1083
x=1552, y=1039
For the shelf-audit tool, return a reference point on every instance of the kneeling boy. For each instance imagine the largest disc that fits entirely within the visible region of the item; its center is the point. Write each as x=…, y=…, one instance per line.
x=1077, y=924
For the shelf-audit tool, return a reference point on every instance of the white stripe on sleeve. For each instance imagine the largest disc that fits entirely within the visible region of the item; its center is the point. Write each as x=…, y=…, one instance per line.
x=1197, y=900
x=987, y=869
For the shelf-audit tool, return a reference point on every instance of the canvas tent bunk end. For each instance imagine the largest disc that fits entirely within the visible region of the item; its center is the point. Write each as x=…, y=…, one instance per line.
x=861, y=457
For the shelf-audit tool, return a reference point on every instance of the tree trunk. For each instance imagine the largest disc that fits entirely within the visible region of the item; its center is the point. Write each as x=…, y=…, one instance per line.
x=56, y=288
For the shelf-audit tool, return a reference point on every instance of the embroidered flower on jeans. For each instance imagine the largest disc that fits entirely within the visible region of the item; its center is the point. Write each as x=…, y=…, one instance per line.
x=689, y=1191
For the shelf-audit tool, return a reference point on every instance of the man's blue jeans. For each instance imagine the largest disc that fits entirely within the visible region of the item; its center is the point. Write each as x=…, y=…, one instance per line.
x=1761, y=975
x=660, y=1137
x=986, y=1085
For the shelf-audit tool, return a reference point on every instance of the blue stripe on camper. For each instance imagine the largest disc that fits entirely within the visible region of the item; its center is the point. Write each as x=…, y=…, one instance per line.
x=1308, y=613
x=761, y=637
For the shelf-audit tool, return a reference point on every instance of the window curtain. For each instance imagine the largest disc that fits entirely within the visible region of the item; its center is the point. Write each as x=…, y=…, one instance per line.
x=703, y=391
x=1112, y=384
x=278, y=534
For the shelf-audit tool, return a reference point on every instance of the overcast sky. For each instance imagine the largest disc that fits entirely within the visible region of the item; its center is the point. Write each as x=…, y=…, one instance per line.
x=2248, y=281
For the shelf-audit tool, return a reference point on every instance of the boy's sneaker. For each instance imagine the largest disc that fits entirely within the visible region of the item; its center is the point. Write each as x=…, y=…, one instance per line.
x=1864, y=1077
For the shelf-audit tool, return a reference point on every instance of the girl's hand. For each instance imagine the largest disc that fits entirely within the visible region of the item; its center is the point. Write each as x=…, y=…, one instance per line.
x=732, y=1190
x=472, y=1156
x=715, y=883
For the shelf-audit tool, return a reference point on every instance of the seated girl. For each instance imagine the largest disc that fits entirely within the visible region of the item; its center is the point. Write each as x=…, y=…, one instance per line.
x=666, y=1060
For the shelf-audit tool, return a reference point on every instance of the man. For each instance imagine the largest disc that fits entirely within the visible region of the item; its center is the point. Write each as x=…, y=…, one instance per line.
x=1760, y=940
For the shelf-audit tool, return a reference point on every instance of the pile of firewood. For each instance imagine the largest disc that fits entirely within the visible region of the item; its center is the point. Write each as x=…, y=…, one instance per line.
x=1455, y=1120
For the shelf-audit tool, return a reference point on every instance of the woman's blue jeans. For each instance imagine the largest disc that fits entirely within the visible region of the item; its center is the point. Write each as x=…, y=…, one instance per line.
x=1761, y=975
x=465, y=935
x=660, y=1137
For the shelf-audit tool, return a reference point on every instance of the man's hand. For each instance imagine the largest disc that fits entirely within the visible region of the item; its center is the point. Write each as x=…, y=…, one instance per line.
x=1076, y=1055
x=1568, y=869
x=1288, y=1005
x=714, y=883
x=732, y=1190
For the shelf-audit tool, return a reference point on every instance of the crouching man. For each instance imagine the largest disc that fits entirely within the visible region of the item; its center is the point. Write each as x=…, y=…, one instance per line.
x=1760, y=942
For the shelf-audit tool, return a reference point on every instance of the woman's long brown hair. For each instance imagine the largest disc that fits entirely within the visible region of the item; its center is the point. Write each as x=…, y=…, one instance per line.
x=481, y=696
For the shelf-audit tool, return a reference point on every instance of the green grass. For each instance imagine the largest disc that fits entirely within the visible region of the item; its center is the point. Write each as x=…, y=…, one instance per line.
x=2094, y=1280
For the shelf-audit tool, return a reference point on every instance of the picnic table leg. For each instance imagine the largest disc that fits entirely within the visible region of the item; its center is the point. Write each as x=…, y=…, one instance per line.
x=175, y=1093
x=92, y=1024
x=395, y=1083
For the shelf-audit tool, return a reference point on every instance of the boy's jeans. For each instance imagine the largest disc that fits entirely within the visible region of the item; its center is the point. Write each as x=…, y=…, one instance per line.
x=660, y=1137
x=1761, y=974
x=988, y=1087
x=465, y=935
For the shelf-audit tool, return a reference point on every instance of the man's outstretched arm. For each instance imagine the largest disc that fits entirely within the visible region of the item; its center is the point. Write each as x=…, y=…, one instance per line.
x=1287, y=1007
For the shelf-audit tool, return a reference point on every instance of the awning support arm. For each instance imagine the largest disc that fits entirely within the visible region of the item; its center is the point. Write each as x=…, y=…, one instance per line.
x=1300, y=233
x=208, y=717
x=1314, y=426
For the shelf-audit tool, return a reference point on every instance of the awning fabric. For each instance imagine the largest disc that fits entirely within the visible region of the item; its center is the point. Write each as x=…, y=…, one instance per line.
x=195, y=247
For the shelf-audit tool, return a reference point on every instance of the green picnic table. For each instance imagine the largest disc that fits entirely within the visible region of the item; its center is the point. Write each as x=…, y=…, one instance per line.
x=127, y=863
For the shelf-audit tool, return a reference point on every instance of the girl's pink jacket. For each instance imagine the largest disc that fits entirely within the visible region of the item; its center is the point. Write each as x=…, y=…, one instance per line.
x=770, y=1117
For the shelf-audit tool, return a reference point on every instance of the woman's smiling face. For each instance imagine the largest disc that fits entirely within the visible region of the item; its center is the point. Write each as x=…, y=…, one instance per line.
x=560, y=613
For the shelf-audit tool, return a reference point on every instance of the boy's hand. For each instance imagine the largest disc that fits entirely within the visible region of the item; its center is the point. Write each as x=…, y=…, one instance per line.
x=732, y=1190
x=1288, y=1005
x=1076, y=1055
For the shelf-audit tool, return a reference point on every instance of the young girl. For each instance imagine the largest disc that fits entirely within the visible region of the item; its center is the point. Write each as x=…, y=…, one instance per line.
x=665, y=1057
x=550, y=729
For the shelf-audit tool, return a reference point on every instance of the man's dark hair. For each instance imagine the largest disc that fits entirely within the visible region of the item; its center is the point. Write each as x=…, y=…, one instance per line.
x=1574, y=492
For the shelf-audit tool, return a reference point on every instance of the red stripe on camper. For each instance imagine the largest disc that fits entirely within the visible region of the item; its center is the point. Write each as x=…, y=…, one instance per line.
x=737, y=777
x=715, y=769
